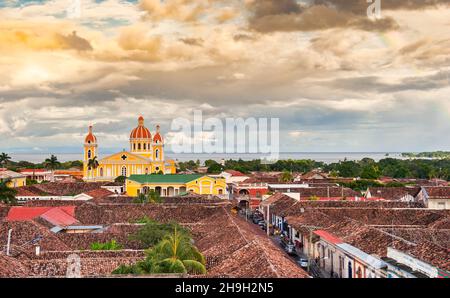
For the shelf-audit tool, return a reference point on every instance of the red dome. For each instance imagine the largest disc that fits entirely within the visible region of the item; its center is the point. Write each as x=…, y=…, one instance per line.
x=140, y=132
x=90, y=138
x=157, y=138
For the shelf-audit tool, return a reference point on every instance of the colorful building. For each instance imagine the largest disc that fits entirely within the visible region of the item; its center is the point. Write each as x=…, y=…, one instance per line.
x=13, y=179
x=146, y=156
x=39, y=175
x=173, y=185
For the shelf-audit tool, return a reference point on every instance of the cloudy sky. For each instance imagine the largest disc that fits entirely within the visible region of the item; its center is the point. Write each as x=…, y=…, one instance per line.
x=337, y=79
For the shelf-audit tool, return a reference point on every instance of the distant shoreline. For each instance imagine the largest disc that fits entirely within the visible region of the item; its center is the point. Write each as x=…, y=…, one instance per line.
x=326, y=157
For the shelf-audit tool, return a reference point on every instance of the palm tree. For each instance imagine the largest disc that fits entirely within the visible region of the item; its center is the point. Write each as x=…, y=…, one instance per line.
x=7, y=194
x=154, y=197
x=286, y=177
x=176, y=254
x=52, y=163
x=93, y=165
x=4, y=158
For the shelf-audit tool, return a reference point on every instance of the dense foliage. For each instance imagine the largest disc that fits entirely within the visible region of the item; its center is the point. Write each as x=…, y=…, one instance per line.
x=396, y=168
x=110, y=245
x=366, y=168
x=153, y=232
x=50, y=163
x=174, y=253
x=152, y=197
x=7, y=194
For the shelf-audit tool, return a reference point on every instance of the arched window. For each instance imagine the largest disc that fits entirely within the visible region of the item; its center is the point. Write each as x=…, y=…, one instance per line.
x=145, y=146
x=157, y=153
x=89, y=154
x=139, y=146
x=101, y=172
x=124, y=171
x=134, y=146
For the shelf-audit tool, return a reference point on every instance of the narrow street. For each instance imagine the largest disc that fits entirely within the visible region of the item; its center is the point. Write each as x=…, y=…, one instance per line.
x=315, y=271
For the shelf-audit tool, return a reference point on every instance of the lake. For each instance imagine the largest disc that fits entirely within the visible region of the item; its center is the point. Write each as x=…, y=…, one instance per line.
x=327, y=157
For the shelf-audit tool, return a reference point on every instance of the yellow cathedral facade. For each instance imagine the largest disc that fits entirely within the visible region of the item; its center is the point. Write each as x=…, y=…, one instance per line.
x=146, y=156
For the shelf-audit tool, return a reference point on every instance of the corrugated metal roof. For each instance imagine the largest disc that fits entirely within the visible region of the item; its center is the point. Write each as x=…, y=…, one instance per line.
x=362, y=256
x=56, y=229
x=83, y=227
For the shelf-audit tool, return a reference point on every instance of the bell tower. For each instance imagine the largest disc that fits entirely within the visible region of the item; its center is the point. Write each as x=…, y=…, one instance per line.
x=158, y=145
x=90, y=150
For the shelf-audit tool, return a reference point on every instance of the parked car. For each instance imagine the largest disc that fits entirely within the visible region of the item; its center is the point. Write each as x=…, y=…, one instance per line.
x=303, y=262
x=289, y=247
x=256, y=220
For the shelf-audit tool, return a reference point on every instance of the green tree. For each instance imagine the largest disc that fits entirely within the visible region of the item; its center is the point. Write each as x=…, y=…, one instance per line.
x=371, y=171
x=176, y=254
x=7, y=194
x=92, y=165
x=110, y=245
x=210, y=162
x=52, y=163
x=215, y=169
x=120, y=179
x=286, y=177
x=4, y=159
x=141, y=199
x=153, y=232
x=154, y=197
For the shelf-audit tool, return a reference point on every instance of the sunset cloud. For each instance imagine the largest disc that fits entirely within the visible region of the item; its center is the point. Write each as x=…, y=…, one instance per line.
x=337, y=79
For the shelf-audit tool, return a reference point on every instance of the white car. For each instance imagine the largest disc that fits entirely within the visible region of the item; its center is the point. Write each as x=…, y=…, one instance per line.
x=303, y=263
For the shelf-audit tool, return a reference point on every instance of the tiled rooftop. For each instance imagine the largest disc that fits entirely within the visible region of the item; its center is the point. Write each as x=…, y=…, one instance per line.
x=393, y=193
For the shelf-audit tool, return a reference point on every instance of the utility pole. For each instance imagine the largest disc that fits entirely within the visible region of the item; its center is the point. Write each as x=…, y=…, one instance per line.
x=309, y=249
x=8, y=245
x=268, y=220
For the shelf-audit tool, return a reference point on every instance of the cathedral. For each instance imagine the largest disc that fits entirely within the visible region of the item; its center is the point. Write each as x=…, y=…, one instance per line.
x=146, y=156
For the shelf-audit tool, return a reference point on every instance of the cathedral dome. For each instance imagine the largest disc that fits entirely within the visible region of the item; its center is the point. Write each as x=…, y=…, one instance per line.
x=90, y=138
x=140, y=132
